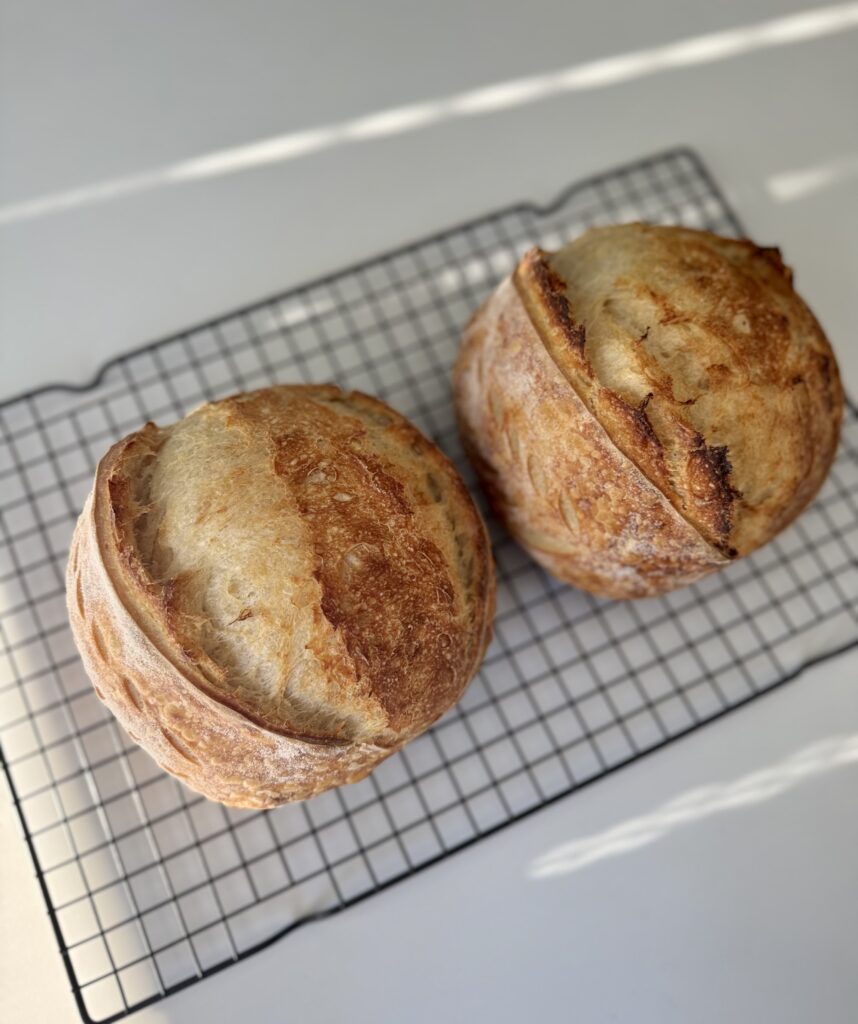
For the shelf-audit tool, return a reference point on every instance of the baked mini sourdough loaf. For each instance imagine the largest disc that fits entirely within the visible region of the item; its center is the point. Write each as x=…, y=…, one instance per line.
x=647, y=404
x=279, y=591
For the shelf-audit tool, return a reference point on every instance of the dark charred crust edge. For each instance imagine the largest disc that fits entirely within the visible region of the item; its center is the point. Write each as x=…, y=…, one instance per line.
x=710, y=468
x=535, y=272
x=772, y=256
x=637, y=420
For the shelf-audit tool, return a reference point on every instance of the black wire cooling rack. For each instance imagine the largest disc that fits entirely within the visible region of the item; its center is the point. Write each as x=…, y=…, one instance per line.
x=150, y=887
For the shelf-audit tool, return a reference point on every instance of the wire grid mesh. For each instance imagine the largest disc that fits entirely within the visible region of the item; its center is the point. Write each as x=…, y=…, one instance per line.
x=149, y=886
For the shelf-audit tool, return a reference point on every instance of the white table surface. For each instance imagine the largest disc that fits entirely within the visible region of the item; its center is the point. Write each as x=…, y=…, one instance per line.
x=741, y=903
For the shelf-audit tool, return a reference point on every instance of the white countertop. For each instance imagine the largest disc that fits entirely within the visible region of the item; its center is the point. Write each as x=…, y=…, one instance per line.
x=741, y=906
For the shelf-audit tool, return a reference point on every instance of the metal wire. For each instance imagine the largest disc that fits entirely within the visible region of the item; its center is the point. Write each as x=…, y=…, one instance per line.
x=150, y=887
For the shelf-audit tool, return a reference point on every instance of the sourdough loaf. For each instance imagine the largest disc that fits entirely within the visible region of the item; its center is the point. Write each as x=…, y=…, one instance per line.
x=647, y=404
x=279, y=591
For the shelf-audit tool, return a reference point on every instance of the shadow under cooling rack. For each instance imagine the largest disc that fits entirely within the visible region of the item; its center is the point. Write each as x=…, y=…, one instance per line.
x=150, y=887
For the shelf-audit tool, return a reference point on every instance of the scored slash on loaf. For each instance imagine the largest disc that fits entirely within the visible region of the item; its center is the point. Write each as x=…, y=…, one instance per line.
x=279, y=591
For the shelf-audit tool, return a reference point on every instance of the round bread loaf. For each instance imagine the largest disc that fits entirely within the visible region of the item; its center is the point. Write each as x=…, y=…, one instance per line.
x=647, y=404
x=279, y=591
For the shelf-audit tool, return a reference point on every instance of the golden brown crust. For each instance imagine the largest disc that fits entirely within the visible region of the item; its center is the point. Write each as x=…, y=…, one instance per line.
x=705, y=373
x=390, y=601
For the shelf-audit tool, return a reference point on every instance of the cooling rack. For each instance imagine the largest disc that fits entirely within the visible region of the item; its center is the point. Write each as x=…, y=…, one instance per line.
x=149, y=887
